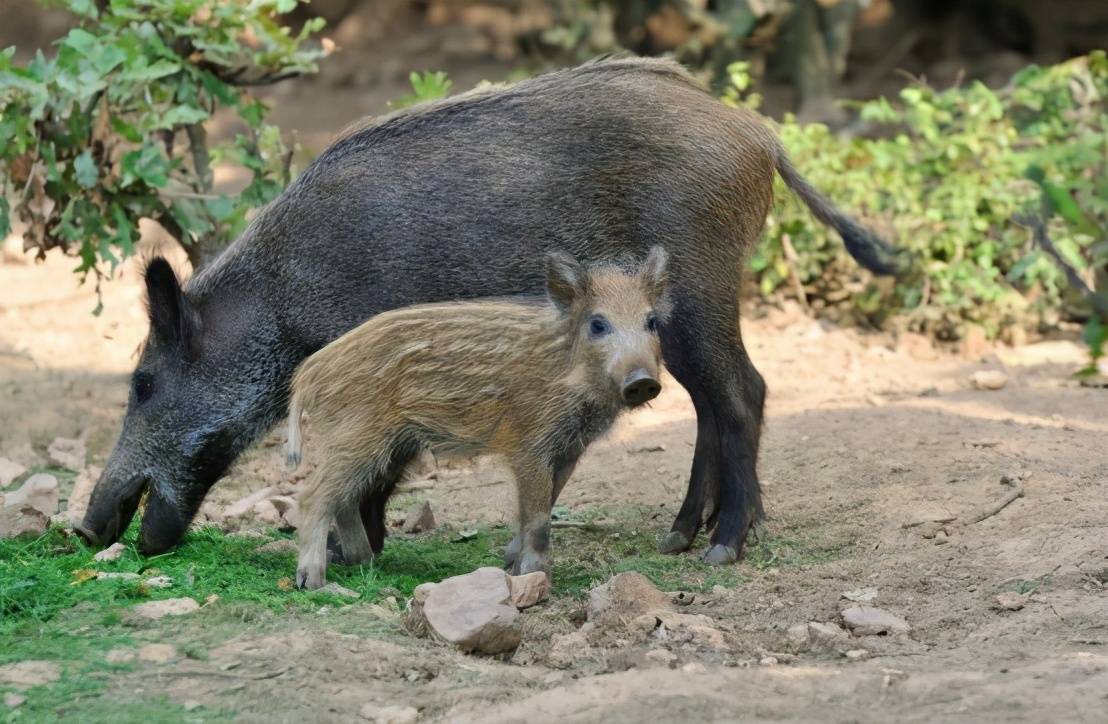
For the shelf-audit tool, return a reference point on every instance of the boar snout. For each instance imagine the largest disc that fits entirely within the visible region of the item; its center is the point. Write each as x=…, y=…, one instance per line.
x=110, y=512
x=639, y=387
x=163, y=524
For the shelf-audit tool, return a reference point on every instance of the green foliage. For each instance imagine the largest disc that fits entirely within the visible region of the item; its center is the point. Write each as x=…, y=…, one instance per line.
x=947, y=178
x=426, y=86
x=110, y=129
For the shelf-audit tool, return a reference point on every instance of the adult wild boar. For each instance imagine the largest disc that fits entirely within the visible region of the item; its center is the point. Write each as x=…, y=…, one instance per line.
x=459, y=199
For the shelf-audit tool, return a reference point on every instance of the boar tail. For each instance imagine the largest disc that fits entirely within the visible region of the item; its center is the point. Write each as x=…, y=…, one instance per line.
x=292, y=450
x=867, y=248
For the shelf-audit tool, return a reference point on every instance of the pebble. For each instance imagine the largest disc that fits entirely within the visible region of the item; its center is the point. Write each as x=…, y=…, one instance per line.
x=67, y=452
x=419, y=519
x=1010, y=601
x=857, y=654
x=768, y=661
x=281, y=545
x=22, y=521
x=989, y=379
x=336, y=590
x=868, y=620
x=111, y=553
x=9, y=471
x=529, y=589
x=38, y=491
x=694, y=667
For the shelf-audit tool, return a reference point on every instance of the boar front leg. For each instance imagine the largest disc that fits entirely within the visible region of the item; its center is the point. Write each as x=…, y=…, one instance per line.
x=561, y=474
x=535, y=488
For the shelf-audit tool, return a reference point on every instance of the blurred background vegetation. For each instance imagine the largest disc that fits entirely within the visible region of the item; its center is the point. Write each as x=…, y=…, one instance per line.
x=971, y=132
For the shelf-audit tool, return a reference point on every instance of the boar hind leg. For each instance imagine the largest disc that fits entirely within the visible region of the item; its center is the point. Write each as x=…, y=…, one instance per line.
x=535, y=487
x=703, y=350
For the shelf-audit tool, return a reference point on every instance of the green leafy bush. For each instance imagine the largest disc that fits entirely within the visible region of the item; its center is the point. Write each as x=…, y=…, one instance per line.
x=948, y=176
x=110, y=129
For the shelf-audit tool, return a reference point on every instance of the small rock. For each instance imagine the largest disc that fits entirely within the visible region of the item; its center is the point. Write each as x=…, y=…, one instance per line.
x=67, y=452
x=768, y=661
x=1014, y=477
x=111, y=553
x=798, y=635
x=694, y=628
x=9, y=471
x=567, y=649
x=154, y=610
x=246, y=505
x=862, y=595
x=12, y=700
x=26, y=674
x=868, y=621
x=157, y=653
x=825, y=635
x=420, y=519
x=857, y=654
x=38, y=491
x=288, y=509
x=694, y=667
x=117, y=576
x=22, y=521
x=281, y=545
x=158, y=582
x=988, y=379
x=1010, y=601
x=529, y=589
x=390, y=714
x=266, y=512
x=648, y=449
x=77, y=504
x=624, y=597
x=473, y=611
x=119, y=656
x=336, y=590
x=661, y=656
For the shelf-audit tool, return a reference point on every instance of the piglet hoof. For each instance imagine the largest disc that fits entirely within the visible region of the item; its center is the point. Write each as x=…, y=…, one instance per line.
x=674, y=542
x=309, y=578
x=719, y=555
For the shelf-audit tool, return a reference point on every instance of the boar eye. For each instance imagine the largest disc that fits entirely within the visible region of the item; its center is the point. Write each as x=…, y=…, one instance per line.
x=652, y=323
x=144, y=387
x=598, y=326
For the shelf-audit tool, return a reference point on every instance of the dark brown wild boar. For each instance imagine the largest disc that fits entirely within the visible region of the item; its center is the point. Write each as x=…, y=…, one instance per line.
x=533, y=383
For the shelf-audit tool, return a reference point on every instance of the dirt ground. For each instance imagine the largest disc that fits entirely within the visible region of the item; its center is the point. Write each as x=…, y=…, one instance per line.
x=868, y=443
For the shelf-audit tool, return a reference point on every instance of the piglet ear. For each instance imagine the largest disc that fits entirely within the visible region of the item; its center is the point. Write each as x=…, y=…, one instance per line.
x=655, y=273
x=172, y=319
x=565, y=279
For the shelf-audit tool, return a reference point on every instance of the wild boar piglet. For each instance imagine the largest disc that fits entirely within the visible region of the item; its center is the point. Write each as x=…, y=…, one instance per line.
x=532, y=382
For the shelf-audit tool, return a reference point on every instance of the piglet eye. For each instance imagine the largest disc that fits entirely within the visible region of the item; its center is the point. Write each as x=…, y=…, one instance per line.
x=598, y=326
x=652, y=323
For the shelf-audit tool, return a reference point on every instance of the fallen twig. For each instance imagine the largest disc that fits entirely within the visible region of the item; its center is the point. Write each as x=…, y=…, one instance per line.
x=995, y=507
x=227, y=675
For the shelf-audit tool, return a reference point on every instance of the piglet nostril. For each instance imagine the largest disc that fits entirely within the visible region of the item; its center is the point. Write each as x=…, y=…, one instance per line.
x=640, y=387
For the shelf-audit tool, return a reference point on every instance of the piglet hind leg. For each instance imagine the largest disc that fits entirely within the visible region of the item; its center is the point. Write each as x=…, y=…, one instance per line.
x=535, y=487
x=352, y=536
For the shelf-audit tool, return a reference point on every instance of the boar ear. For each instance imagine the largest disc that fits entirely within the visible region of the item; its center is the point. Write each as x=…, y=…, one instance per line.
x=655, y=272
x=172, y=319
x=565, y=279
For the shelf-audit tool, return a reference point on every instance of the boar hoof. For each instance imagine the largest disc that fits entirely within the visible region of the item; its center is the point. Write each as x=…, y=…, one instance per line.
x=674, y=542
x=720, y=554
x=309, y=578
